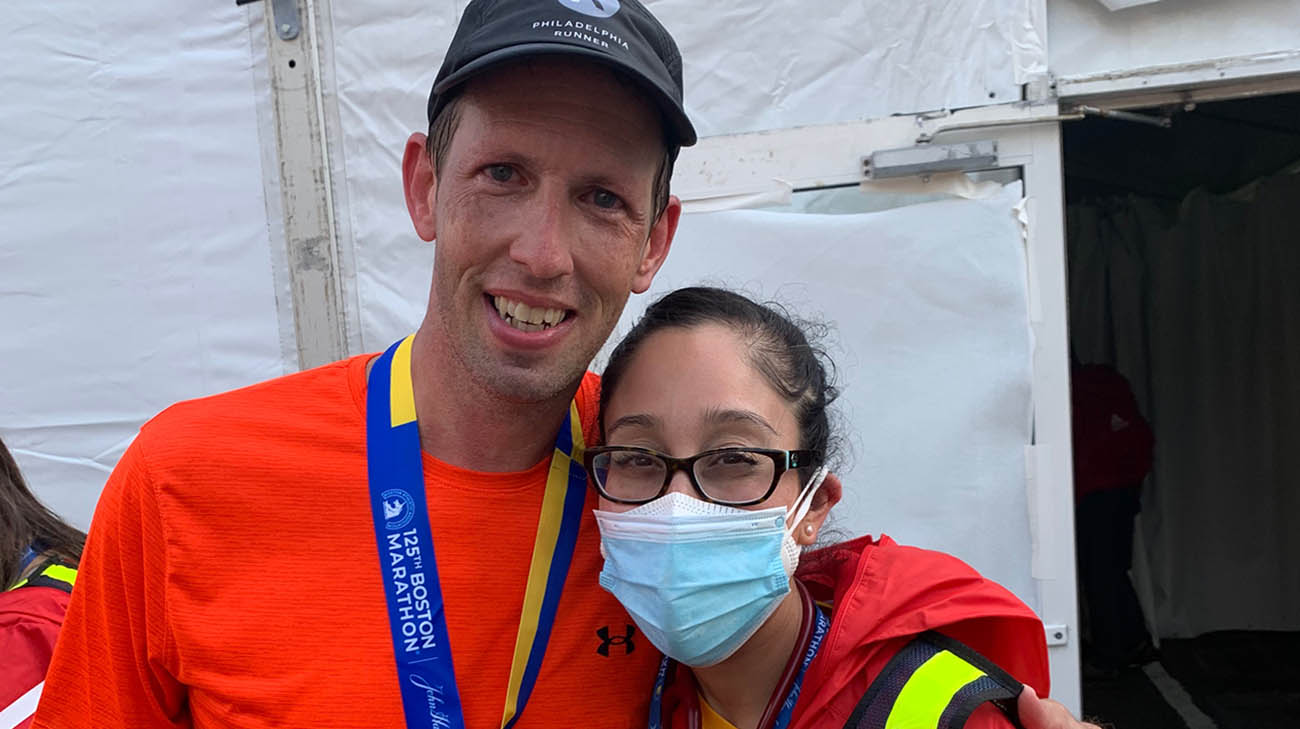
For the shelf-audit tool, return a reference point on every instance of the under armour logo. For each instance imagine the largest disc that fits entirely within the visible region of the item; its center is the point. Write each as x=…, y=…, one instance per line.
x=623, y=640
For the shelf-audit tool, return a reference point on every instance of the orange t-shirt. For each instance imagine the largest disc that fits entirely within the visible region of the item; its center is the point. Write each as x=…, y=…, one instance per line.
x=231, y=579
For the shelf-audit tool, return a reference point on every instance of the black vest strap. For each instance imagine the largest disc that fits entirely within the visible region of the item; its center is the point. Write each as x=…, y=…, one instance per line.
x=934, y=682
x=48, y=574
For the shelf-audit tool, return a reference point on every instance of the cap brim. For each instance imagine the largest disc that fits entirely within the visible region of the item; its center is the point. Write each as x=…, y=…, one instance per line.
x=668, y=106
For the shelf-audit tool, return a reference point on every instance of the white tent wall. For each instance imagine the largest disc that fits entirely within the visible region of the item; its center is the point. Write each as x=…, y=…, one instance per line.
x=750, y=66
x=1196, y=307
x=140, y=258
x=1095, y=50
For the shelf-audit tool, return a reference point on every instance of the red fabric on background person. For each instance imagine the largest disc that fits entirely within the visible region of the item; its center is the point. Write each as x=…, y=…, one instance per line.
x=29, y=625
x=1112, y=441
x=1112, y=455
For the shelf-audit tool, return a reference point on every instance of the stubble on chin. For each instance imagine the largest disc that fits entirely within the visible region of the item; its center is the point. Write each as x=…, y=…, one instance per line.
x=523, y=379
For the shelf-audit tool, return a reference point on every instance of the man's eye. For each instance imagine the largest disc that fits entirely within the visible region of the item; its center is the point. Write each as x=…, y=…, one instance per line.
x=605, y=199
x=501, y=173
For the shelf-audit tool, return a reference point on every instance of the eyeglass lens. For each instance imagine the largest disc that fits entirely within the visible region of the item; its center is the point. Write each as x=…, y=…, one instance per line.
x=730, y=476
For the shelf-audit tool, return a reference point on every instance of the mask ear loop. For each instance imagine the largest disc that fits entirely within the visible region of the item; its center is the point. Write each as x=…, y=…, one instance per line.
x=804, y=502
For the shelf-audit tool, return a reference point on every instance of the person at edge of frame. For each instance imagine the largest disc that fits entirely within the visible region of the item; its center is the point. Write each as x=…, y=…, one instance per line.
x=264, y=557
x=38, y=567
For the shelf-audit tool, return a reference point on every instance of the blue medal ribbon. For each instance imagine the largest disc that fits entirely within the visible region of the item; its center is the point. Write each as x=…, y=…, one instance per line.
x=792, y=698
x=822, y=625
x=421, y=645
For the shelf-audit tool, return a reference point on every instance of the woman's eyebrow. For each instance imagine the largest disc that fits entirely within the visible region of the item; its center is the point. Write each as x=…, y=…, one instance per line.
x=725, y=416
x=638, y=420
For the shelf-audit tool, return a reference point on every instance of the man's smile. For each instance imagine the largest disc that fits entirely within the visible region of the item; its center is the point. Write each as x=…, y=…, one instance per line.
x=527, y=318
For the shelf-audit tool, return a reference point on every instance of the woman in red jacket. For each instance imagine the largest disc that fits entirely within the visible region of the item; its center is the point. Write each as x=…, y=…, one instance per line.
x=38, y=561
x=712, y=481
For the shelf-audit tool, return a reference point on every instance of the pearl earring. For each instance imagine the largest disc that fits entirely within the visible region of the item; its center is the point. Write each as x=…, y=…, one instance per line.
x=808, y=529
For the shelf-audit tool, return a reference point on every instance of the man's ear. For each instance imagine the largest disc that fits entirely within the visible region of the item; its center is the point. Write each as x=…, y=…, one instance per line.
x=420, y=183
x=656, y=248
x=827, y=495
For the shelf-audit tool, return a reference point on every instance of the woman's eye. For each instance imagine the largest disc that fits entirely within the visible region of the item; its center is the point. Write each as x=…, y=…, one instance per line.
x=501, y=173
x=605, y=199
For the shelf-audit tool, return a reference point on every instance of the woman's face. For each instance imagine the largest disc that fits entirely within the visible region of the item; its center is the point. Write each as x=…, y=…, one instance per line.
x=688, y=390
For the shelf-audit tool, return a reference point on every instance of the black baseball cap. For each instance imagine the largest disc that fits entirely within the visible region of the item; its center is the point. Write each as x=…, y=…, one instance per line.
x=618, y=33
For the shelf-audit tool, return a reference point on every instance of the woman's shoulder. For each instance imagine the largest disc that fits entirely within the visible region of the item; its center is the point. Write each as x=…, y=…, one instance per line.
x=883, y=594
x=880, y=563
x=894, y=589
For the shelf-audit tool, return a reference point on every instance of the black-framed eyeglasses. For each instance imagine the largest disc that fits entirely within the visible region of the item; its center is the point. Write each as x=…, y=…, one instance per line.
x=731, y=476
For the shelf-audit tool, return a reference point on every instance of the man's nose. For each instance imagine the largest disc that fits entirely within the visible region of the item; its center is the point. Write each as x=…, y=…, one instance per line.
x=545, y=245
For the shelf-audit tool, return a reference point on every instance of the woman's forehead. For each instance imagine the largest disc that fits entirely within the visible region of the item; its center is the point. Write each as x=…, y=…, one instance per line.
x=701, y=376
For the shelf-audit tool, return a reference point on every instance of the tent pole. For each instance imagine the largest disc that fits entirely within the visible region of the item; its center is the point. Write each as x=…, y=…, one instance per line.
x=305, y=185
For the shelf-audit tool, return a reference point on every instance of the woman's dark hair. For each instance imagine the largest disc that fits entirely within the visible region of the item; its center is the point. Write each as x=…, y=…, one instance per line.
x=778, y=348
x=24, y=522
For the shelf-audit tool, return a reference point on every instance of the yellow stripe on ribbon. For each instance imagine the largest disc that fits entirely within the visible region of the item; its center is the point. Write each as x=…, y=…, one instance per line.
x=929, y=690
x=548, y=530
x=575, y=432
x=401, y=398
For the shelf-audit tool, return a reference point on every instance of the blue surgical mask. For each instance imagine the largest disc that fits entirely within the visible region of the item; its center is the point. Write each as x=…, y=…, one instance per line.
x=700, y=578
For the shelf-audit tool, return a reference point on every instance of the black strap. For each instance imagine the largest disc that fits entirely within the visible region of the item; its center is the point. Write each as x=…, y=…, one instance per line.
x=996, y=685
x=38, y=578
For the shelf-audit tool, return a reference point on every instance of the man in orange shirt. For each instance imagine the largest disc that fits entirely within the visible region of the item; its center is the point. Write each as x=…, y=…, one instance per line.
x=265, y=557
x=254, y=560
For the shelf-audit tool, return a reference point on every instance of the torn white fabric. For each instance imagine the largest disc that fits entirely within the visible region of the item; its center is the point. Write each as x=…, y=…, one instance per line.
x=1087, y=39
x=1121, y=4
x=1029, y=29
x=782, y=63
x=957, y=184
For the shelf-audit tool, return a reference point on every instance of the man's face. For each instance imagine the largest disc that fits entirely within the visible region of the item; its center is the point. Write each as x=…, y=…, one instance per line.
x=543, y=220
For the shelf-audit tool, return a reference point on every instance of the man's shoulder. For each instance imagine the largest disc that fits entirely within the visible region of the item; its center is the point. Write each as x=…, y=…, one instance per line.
x=318, y=399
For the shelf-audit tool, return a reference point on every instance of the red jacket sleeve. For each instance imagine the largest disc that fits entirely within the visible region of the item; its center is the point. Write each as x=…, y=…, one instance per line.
x=29, y=626
x=988, y=716
x=115, y=665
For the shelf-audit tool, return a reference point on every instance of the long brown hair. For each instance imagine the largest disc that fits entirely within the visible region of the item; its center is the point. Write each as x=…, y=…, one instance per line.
x=25, y=521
